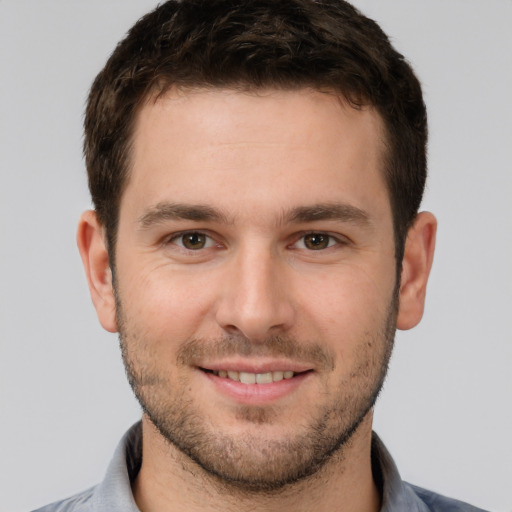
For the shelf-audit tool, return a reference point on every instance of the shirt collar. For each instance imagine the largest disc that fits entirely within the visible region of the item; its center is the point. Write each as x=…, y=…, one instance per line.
x=397, y=496
x=114, y=494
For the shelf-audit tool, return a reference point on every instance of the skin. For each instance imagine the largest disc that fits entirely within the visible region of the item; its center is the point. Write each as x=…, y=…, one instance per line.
x=256, y=175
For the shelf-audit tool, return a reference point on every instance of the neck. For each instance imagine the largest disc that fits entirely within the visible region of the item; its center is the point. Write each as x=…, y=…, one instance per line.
x=169, y=480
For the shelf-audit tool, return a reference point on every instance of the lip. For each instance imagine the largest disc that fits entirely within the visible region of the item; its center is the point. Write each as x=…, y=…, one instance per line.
x=256, y=394
x=256, y=366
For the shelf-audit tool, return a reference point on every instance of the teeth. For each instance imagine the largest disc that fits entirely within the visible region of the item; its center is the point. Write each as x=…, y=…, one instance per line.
x=247, y=378
x=233, y=375
x=264, y=378
x=277, y=376
x=254, y=378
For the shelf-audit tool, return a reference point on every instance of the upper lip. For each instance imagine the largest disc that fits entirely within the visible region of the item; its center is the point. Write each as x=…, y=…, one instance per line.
x=256, y=366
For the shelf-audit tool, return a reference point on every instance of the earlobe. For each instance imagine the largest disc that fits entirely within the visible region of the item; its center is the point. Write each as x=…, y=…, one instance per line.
x=93, y=250
x=416, y=265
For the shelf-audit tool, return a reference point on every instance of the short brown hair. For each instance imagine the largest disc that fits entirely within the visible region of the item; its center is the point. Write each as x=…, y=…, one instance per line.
x=286, y=44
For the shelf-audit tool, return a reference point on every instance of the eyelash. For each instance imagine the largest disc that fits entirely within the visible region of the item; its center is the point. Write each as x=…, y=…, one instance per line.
x=210, y=242
x=332, y=240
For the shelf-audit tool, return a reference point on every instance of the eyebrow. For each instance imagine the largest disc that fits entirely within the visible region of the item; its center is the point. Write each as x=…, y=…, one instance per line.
x=328, y=211
x=177, y=211
x=341, y=212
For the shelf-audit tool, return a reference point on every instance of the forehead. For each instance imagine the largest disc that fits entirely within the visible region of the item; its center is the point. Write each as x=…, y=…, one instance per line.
x=227, y=147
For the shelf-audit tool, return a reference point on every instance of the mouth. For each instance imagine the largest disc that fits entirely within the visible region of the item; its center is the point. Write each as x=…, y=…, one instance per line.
x=256, y=382
x=259, y=387
x=254, y=378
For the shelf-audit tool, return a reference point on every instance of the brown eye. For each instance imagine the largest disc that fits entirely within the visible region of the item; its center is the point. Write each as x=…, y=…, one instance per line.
x=194, y=241
x=317, y=241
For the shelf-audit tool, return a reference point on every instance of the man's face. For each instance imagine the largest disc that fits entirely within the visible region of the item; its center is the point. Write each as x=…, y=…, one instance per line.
x=255, y=243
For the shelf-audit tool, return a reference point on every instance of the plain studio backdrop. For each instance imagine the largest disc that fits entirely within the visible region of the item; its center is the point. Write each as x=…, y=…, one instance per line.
x=446, y=411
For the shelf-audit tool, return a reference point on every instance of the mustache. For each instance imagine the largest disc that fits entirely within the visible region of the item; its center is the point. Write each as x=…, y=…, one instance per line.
x=196, y=350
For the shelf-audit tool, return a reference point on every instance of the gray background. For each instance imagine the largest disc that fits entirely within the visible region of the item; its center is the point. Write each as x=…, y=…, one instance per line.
x=446, y=412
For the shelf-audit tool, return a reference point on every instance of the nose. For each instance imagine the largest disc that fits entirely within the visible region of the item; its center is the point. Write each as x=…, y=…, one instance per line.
x=256, y=297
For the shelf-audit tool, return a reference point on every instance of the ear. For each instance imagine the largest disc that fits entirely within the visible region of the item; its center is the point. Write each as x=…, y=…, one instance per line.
x=92, y=246
x=416, y=265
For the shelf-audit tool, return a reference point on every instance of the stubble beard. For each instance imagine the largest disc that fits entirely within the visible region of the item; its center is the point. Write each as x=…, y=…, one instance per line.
x=250, y=463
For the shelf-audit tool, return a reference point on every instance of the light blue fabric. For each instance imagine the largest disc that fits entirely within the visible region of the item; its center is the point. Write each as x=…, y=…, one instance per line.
x=114, y=493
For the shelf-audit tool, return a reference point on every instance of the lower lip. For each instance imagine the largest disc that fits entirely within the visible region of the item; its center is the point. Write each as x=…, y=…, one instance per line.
x=257, y=394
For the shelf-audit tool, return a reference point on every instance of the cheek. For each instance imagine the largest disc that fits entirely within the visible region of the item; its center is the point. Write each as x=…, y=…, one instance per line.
x=347, y=306
x=168, y=304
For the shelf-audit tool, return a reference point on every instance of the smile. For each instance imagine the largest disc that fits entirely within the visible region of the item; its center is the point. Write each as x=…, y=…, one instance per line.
x=254, y=378
x=261, y=386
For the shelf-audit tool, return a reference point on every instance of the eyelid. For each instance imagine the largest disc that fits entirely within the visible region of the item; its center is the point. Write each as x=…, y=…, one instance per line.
x=340, y=240
x=212, y=240
x=171, y=239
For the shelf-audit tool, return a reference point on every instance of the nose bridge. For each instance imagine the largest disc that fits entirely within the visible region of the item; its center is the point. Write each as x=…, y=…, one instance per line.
x=255, y=296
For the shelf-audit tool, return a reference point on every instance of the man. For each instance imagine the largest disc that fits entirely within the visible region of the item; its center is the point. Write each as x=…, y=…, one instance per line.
x=256, y=170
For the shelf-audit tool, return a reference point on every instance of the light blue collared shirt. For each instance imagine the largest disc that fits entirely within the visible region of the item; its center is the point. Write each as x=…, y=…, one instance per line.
x=114, y=494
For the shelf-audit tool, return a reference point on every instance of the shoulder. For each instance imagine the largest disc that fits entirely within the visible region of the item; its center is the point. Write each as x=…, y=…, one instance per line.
x=439, y=503
x=81, y=502
x=113, y=493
